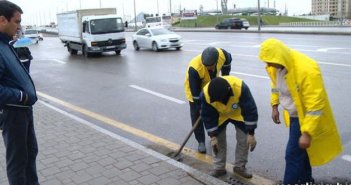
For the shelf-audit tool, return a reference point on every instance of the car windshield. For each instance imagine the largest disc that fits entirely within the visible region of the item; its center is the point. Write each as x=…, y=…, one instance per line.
x=109, y=25
x=160, y=31
x=30, y=32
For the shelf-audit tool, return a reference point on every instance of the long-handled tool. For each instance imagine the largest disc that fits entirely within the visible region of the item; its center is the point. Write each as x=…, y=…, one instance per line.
x=185, y=141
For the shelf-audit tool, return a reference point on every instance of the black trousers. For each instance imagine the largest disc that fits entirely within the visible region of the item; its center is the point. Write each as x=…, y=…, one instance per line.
x=21, y=145
x=200, y=130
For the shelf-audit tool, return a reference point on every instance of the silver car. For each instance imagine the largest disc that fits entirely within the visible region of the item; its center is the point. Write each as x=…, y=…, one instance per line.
x=156, y=38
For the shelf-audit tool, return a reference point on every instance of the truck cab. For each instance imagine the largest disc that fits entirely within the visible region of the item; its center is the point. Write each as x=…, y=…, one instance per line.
x=103, y=33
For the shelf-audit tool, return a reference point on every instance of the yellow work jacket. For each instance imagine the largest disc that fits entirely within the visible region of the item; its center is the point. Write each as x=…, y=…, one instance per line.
x=196, y=63
x=305, y=84
x=232, y=109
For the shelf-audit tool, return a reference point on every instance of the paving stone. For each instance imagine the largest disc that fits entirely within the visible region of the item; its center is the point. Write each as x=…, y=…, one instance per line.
x=52, y=182
x=148, y=179
x=99, y=181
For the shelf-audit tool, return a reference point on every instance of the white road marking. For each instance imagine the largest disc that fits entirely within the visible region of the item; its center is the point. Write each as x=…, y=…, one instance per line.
x=246, y=74
x=327, y=49
x=334, y=64
x=55, y=60
x=346, y=158
x=215, y=43
x=253, y=56
x=158, y=94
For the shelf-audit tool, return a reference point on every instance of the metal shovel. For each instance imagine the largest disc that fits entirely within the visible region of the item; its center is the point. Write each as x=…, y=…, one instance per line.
x=175, y=156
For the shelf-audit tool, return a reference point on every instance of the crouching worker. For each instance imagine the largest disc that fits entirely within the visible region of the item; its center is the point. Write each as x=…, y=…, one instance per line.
x=226, y=100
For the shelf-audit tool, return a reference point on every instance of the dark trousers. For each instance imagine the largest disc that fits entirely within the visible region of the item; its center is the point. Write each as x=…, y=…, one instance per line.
x=200, y=130
x=298, y=169
x=21, y=145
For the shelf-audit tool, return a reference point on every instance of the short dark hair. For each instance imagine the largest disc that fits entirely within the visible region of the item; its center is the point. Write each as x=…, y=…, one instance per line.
x=8, y=9
x=218, y=89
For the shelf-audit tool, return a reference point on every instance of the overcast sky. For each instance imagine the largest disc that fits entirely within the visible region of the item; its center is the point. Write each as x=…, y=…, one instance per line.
x=44, y=11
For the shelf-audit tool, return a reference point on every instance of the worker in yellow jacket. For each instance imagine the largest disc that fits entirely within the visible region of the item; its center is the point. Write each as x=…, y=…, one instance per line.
x=297, y=86
x=209, y=64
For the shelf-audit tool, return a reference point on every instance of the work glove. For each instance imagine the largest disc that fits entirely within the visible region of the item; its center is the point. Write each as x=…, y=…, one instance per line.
x=214, y=144
x=251, y=142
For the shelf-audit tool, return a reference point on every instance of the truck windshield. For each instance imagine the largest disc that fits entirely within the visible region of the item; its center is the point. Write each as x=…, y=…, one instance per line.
x=109, y=25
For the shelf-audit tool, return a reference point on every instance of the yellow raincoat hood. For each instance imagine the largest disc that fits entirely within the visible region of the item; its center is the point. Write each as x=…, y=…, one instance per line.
x=305, y=84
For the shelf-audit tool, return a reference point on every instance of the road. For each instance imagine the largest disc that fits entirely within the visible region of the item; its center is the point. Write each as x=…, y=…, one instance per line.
x=144, y=90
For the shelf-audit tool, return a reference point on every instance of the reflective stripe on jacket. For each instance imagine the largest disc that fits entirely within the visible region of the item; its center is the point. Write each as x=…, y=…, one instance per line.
x=305, y=84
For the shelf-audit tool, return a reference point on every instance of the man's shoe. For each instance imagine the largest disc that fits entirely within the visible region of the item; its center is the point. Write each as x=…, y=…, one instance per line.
x=242, y=171
x=218, y=173
x=202, y=148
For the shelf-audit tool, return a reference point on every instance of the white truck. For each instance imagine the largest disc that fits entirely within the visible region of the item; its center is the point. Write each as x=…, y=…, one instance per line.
x=91, y=31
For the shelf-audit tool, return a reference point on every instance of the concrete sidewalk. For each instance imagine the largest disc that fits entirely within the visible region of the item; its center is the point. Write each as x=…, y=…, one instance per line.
x=73, y=151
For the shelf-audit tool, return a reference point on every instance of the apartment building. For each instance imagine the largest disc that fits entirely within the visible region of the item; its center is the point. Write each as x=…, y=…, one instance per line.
x=336, y=8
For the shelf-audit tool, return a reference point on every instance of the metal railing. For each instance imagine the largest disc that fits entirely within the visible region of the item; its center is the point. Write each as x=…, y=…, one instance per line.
x=317, y=23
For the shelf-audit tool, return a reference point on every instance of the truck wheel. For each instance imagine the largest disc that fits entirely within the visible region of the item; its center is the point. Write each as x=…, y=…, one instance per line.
x=72, y=51
x=85, y=51
x=118, y=52
x=154, y=46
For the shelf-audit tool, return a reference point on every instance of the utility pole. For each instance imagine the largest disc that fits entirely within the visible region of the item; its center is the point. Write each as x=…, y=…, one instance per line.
x=170, y=7
x=80, y=4
x=217, y=10
x=158, y=10
x=135, y=19
x=259, y=15
x=100, y=3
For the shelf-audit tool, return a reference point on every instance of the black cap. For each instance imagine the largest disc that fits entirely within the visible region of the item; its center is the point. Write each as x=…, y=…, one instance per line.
x=219, y=90
x=209, y=56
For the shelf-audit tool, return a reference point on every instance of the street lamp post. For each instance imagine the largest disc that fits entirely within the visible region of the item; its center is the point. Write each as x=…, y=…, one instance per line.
x=170, y=7
x=217, y=10
x=135, y=19
x=259, y=15
x=158, y=10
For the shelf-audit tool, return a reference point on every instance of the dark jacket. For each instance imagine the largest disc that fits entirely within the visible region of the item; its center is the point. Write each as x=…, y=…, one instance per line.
x=248, y=110
x=14, y=78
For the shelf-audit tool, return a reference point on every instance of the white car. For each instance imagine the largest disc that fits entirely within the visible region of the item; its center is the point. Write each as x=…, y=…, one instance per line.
x=246, y=24
x=156, y=38
x=33, y=34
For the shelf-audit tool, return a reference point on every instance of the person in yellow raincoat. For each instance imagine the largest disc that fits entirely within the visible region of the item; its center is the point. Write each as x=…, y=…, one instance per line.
x=297, y=86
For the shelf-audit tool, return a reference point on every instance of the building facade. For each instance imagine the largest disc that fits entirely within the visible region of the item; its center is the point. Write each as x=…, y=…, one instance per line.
x=335, y=8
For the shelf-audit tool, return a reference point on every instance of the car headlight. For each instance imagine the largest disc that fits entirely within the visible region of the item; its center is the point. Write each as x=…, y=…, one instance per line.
x=163, y=40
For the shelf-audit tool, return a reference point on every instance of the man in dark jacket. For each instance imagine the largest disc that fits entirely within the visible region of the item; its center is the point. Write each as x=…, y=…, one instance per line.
x=226, y=100
x=201, y=70
x=17, y=95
